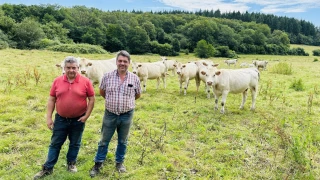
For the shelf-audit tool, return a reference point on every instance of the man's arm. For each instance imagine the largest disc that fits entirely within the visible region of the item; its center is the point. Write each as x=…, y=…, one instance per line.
x=103, y=93
x=137, y=96
x=89, y=109
x=50, y=109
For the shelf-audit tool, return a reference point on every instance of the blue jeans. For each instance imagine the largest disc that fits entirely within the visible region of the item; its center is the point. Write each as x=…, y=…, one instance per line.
x=62, y=129
x=112, y=122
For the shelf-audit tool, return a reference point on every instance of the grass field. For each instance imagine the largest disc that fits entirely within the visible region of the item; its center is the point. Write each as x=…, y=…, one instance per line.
x=173, y=136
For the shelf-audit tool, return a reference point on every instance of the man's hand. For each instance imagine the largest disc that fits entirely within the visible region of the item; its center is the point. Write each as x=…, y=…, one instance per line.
x=83, y=119
x=50, y=124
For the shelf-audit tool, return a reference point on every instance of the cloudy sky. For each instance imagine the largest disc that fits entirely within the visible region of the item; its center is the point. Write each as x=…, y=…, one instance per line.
x=308, y=10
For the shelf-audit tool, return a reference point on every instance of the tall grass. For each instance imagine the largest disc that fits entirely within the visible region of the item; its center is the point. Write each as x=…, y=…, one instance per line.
x=282, y=68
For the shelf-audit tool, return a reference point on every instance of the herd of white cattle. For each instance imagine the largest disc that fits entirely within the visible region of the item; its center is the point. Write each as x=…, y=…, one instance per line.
x=221, y=81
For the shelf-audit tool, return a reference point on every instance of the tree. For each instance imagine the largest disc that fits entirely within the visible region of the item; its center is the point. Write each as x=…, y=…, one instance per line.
x=203, y=49
x=175, y=45
x=55, y=31
x=27, y=33
x=139, y=41
x=150, y=29
x=115, y=38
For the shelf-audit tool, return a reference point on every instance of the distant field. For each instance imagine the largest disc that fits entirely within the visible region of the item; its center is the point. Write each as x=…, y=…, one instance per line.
x=173, y=136
x=307, y=48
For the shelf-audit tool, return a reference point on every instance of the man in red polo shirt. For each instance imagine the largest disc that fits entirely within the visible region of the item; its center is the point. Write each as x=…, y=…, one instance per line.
x=69, y=94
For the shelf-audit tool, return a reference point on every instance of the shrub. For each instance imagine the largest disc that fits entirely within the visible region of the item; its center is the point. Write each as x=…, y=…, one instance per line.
x=297, y=85
x=316, y=52
x=44, y=43
x=4, y=45
x=282, y=68
x=315, y=60
x=78, y=48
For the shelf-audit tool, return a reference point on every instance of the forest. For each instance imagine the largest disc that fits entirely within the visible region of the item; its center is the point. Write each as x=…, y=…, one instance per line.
x=207, y=33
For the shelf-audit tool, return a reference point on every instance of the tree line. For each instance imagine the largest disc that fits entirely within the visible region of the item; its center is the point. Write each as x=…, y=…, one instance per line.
x=164, y=33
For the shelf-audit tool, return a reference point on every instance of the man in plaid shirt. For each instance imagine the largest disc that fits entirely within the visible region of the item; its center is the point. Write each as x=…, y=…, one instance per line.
x=120, y=88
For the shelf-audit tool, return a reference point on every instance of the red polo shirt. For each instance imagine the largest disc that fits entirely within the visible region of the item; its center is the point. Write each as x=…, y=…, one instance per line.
x=71, y=98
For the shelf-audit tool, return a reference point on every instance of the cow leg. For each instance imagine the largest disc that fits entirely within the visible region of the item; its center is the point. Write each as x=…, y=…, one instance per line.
x=216, y=102
x=164, y=82
x=158, y=82
x=244, y=98
x=223, y=100
x=208, y=91
x=254, y=91
x=180, y=86
x=144, y=84
x=186, y=86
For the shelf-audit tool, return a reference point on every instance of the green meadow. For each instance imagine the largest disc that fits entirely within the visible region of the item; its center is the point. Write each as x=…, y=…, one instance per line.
x=173, y=136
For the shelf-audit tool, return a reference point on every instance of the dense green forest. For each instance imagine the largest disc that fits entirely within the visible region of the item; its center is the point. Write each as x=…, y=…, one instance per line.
x=207, y=33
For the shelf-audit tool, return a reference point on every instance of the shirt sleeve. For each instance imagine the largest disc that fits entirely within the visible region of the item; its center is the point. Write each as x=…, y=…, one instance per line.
x=53, y=89
x=103, y=82
x=137, y=85
x=90, y=90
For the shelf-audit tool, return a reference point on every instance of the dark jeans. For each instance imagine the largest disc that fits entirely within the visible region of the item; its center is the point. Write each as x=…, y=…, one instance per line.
x=63, y=128
x=111, y=123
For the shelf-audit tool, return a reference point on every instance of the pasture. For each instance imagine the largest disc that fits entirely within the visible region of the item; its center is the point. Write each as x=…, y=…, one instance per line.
x=173, y=136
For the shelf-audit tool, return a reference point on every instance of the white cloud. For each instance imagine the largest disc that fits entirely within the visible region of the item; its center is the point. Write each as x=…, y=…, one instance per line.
x=266, y=6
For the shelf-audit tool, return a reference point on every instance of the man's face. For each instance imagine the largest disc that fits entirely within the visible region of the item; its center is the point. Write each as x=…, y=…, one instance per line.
x=71, y=70
x=123, y=64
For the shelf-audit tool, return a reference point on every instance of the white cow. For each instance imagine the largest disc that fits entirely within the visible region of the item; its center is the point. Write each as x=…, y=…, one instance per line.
x=187, y=72
x=204, y=66
x=244, y=64
x=61, y=66
x=155, y=70
x=169, y=64
x=226, y=81
x=251, y=65
x=231, y=61
x=260, y=64
x=95, y=69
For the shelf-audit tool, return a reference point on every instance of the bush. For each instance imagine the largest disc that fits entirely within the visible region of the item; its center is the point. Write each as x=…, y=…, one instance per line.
x=315, y=60
x=78, y=48
x=44, y=43
x=162, y=49
x=224, y=51
x=298, y=52
x=316, y=52
x=4, y=45
x=204, y=49
x=282, y=68
x=297, y=85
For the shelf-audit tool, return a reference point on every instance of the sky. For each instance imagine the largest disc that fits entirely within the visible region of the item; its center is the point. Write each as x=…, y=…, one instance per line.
x=308, y=10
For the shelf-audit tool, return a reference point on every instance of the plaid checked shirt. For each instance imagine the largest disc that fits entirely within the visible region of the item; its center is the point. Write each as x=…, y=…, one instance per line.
x=120, y=97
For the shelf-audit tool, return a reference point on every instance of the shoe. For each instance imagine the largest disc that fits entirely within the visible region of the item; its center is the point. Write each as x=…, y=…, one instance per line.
x=72, y=167
x=120, y=168
x=95, y=169
x=44, y=172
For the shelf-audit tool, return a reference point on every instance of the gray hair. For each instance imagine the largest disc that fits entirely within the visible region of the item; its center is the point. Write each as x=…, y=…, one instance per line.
x=71, y=59
x=123, y=53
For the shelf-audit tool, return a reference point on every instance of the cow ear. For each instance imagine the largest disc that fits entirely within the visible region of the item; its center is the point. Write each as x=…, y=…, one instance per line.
x=203, y=73
x=174, y=65
x=205, y=64
x=139, y=65
x=215, y=65
x=218, y=73
x=58, y=65
x=183, y=66
x=89, y=64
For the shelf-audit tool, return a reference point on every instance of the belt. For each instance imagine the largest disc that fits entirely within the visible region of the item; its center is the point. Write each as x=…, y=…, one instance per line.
x=71, y=119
